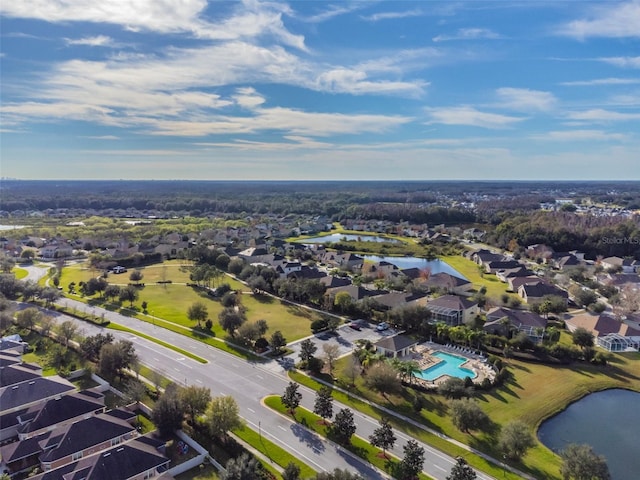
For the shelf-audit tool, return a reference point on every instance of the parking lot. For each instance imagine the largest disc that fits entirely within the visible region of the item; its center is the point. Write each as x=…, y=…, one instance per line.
x=345, y=337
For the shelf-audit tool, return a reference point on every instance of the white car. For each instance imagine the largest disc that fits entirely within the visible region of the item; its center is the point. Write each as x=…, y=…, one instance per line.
x=382, y=326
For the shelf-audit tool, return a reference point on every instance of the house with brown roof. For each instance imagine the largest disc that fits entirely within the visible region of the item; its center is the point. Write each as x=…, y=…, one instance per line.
x=447, y=283
x=394, y=346
x=608, y=332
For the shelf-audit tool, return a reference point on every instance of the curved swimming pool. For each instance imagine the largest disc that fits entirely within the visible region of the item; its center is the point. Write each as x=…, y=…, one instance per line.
x=449, y=365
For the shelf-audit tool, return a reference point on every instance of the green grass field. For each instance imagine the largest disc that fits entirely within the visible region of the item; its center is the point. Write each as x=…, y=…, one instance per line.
x=534, y=393
x=170, y=302
x=20, y=273
x=469, y=269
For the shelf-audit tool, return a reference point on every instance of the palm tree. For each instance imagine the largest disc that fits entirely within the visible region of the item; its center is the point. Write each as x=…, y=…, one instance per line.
x=410, y=369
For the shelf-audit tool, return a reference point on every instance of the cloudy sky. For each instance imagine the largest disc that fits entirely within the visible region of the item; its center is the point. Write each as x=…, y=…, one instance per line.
x=197, y=89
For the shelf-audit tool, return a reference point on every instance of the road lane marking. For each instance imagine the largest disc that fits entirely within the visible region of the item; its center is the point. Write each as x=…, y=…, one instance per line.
x=251, y=410
x=282, y=428
x=198, y=380
x=439, y=467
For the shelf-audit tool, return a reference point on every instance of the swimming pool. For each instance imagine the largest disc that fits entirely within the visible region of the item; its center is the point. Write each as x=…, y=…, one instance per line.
x=450, y=365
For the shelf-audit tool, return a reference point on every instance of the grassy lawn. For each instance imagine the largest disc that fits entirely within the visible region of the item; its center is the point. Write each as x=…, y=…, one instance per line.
x=171, y=301
x=272, y=451
x=204, y=472
x=122, y=328
x=358, y=446
x=469, y=269
x=20, y=273
x=534, y=393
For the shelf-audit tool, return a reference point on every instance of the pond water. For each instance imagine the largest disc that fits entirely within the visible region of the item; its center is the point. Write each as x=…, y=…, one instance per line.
x=10, y=227
x=436, y=266
x=337, y=237
x=609, y=421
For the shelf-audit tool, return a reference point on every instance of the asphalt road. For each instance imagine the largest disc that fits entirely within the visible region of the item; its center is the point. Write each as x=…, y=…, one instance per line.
x=249, y=383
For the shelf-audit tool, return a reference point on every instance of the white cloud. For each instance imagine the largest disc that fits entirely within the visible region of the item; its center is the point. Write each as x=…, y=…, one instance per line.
x=97, y=41
x=376, y=17
x=248, y=20
x=598, y=115
x=602, y=81
x=331, y=12
x=468, y=34
x=609, y=19
x=525, y=99
x=578, y=135
x=102, y=137
x=624, y=62
x=248, y=98
x=470, y=116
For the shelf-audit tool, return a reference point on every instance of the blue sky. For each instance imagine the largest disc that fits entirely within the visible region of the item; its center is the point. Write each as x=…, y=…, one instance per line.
x=197, y=89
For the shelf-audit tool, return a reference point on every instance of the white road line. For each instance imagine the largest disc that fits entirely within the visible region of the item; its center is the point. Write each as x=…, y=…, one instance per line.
x=439, y=467
x=282, y=428
x=198, y=380
x=251, y=410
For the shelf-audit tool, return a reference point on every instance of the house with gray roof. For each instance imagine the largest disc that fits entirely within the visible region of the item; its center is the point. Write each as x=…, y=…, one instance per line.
x=447, y=283
x=500, y=320
x=30, y=392
x=452, y=310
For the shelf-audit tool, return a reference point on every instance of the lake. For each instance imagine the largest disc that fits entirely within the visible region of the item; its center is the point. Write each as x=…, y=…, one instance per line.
x=337, y=237
x=608, y=421
x=10, y=227
x=436, y=266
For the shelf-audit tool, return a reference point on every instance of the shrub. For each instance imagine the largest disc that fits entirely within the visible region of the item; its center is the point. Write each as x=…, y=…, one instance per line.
x=318, y=325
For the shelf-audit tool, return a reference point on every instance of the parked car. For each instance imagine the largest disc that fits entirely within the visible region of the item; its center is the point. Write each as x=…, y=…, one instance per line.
x=355, y=325
x=382, y=326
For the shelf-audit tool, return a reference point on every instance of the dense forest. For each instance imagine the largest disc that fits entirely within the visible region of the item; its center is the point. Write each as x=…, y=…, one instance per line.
x=509, y=211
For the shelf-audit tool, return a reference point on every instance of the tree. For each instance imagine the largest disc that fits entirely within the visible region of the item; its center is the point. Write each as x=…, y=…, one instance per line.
x=111, y=292
x=7, y=264
x=194, y=401
x=307, y=350
x=277, y=342
x=343, y=426
x=462, y=471
x=383, y=436
x=323, y=405
x=198, y=313
x=338, y=474
x=221, y=415
x=454, y=387
x=28, y=317
x=50, y=295
x=467, y=415
x=515, y=439
x=128, y=294
x=580, y=462
x=245, y=467
x=230, y=319
x=331, y=353
x=91, y=346
x=291, y=397
x=46, y=325
x=136, y=276
x=353, y=368
x=291, y=472
x=10, y=286
x=30, y=290
x=383, y=378
x=135, y=391
x=582, y=337
x=66, y=331
x=115, y=358
x=411, y=464
x=343, y=301
x=167, y=413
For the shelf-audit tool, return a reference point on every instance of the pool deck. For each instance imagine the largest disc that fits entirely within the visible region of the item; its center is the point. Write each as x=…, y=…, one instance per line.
x=423, y=355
